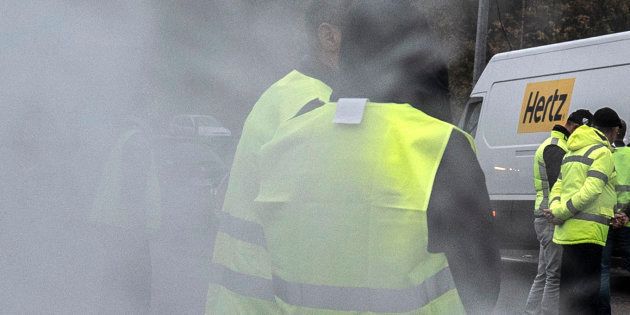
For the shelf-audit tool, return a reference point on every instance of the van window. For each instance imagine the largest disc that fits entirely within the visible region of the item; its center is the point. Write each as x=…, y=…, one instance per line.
x=472, y=116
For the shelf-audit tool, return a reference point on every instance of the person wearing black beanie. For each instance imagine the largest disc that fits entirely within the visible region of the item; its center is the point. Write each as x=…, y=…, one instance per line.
x=543, y=295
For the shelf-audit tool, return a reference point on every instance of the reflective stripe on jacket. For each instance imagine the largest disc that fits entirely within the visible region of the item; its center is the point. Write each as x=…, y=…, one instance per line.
x=541, y=182
x=241, y=272
x=584, y=195
x=343, y=209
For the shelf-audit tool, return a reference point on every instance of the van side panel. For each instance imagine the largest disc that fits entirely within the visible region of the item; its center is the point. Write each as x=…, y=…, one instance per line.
x=506, y=155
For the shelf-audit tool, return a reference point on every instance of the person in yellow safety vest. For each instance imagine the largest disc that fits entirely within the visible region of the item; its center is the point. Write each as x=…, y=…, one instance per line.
x=618, y=239
x=543, y=295
x=376, y=207
x=240, y=263
x=582, y=206
x=125, y=213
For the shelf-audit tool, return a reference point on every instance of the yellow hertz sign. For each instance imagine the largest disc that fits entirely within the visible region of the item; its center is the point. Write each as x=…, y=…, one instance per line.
x=545, y=104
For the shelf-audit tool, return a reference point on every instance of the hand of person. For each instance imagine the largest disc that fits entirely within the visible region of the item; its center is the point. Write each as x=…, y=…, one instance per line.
x=619, y=220
x=551, y=218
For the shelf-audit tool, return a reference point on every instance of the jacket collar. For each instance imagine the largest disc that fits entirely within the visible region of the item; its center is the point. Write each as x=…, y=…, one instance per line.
x=585, y=136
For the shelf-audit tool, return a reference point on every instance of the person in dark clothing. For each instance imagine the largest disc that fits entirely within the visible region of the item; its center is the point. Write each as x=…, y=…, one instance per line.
x=543, y=295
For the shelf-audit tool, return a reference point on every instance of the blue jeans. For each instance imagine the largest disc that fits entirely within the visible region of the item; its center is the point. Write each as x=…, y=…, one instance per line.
x=544, y=294
x=618, y=239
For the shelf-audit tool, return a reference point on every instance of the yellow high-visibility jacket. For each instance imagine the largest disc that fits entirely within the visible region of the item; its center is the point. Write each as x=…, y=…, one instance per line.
x=343, y=210
x=584, y=195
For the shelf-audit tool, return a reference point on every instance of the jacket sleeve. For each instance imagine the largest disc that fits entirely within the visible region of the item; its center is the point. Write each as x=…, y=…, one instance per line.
x=597, y=177
x=460, y=226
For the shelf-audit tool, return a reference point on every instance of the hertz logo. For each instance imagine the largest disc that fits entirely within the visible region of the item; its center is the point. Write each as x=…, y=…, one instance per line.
x=545, y=104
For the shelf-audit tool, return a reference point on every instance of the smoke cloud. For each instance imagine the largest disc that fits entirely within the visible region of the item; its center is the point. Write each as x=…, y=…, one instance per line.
x=77, y=75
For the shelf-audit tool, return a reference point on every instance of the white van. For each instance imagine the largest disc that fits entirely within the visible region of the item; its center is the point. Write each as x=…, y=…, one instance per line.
x=517, y=100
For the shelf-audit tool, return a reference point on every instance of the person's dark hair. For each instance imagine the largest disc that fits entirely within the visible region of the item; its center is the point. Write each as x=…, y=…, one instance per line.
x=324, y=11
x=390, y=54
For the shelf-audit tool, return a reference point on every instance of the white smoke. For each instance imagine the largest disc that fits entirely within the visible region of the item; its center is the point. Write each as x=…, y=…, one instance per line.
x=71, y=70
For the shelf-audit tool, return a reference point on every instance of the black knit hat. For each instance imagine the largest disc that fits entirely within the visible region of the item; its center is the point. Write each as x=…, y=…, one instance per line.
x=607, y=118
x=581, y=117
